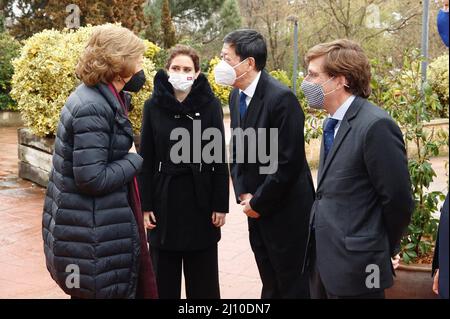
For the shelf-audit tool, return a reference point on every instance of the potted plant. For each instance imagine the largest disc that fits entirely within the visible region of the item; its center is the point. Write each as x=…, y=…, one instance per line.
x=412, y=106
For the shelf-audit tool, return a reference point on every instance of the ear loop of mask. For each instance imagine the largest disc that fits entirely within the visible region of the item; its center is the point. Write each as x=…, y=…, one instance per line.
x=325, y=94
x=234, y=68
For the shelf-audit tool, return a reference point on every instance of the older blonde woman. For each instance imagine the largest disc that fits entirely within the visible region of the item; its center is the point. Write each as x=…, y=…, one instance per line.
x=92, y=236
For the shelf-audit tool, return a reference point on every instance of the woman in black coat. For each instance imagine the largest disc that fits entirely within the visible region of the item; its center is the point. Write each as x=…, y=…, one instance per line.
x=184, y=194
x=91, y=234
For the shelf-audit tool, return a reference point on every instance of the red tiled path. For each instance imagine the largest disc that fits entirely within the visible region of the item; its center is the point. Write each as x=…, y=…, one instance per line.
x=22, y=266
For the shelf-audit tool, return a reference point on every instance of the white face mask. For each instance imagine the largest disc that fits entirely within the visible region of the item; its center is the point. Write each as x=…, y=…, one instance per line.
x=181, y=82
x=225, y=74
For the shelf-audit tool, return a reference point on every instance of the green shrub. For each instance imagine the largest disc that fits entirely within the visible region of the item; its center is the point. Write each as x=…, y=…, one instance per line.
x=44, y=77
x=9, y=49
x=411, y=111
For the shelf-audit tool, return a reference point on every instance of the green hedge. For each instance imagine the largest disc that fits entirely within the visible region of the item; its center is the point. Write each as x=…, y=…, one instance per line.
x=9, y=49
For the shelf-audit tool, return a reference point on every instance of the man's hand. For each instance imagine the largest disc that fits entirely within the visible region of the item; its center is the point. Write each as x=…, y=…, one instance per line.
x=395, y=261
x=149, y=220
x=248, y=210
x=218, y=219
x=436, y=283
x=243, y=197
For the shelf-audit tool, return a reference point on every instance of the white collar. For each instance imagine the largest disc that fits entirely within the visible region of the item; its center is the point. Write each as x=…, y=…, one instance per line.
x=340, y=112
x=250, y=90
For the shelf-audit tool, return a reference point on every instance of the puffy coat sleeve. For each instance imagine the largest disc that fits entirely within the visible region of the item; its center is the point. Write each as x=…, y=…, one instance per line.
x=93, y=174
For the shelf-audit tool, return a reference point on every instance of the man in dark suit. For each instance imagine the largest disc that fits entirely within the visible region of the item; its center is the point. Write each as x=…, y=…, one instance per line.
x=277, y=200
x=440, y=260
x=363, y=198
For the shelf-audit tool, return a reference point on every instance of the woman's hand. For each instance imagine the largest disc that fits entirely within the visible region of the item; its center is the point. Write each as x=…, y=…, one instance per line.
x=149, y=220
x=218, y=219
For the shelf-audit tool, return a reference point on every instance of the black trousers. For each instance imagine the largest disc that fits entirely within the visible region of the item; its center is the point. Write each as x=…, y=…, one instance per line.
x=200, y=268
x=317, y=288
x=280, y=271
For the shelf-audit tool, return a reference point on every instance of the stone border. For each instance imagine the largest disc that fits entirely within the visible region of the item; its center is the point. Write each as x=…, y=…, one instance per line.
x=35, y=156
x=10, y=119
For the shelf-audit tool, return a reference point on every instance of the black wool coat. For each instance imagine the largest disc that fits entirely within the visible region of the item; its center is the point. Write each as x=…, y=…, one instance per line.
x=183, y=195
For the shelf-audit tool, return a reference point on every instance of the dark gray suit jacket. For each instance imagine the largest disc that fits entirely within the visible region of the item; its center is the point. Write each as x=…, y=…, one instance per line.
x=363, y=201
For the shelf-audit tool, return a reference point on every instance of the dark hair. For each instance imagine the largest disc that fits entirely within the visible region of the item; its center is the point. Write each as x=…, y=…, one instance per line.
x=180, y=49
x=248, y=43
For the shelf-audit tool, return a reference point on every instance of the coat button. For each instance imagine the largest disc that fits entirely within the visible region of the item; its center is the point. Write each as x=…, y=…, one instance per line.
x=319, y=196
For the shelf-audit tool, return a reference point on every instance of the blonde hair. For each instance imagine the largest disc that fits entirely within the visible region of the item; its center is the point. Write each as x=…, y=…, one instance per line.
x=345, y=57
x=111, y=51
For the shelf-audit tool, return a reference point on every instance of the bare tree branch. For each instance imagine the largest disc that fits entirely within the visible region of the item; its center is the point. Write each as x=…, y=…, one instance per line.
x=391, y=28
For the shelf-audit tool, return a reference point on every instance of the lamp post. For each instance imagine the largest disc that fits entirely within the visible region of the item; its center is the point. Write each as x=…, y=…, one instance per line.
x=295, y=67
x=425, y=34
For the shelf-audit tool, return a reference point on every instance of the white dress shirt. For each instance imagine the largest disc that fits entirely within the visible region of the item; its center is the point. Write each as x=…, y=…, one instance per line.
x=250, y=90
x=340, y=112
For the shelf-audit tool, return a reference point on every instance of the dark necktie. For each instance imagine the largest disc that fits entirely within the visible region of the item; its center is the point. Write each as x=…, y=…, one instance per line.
x=328, y=134
x=242, y=104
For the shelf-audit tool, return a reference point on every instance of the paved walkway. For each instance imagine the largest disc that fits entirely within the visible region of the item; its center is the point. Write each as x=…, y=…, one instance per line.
x=22, y=266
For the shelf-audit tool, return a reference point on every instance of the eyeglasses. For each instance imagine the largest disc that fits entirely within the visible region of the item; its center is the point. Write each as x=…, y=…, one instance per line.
x=314, y=75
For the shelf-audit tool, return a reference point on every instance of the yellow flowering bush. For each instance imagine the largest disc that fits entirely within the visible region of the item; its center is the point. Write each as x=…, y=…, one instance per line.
x=151, y=50
x=438, y=79
x=281, y=76
x=222, y=92
x=44, y=77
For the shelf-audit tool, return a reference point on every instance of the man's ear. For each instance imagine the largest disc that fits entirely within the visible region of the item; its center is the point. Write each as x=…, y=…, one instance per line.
x=197, y=74
x=252, y=62
x=342, y=81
